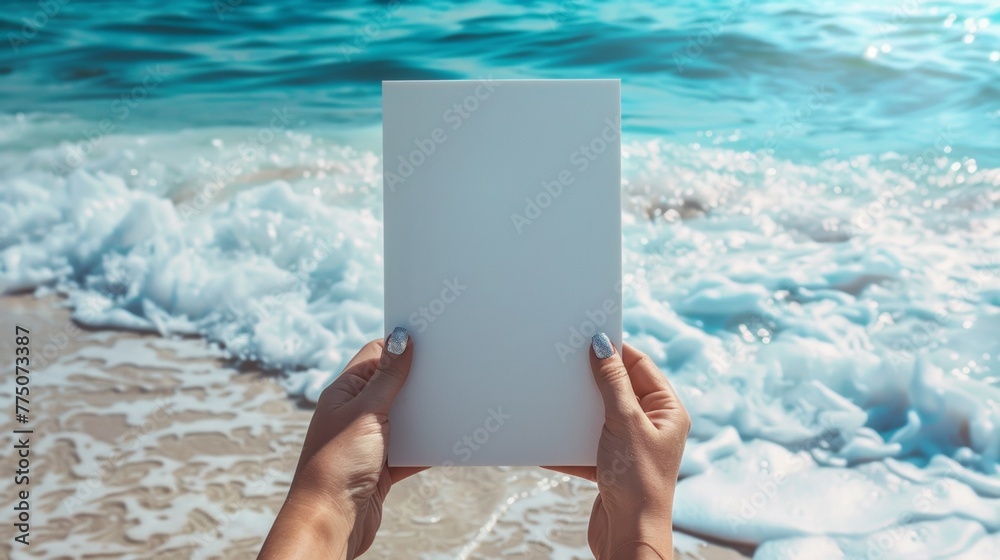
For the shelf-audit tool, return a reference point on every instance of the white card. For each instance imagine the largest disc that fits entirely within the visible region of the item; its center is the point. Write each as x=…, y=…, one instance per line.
x=502, y=211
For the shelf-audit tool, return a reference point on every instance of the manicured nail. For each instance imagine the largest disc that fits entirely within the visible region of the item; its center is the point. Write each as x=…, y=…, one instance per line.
x=397, y=341
x=602, y=346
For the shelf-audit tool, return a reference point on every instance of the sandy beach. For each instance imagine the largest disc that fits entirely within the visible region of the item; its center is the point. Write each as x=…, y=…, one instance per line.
x=151, y=447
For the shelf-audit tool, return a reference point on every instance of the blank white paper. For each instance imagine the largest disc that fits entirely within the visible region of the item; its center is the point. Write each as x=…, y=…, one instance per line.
x=502, y=212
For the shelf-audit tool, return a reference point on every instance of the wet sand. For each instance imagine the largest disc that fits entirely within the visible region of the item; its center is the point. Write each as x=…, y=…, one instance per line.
x=143, y=448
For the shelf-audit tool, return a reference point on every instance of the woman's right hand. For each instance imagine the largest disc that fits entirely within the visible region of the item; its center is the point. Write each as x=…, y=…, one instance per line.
x=639, y=455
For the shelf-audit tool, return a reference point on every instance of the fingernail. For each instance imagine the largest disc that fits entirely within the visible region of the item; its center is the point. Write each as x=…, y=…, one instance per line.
x=397, y=341
x=602, y=346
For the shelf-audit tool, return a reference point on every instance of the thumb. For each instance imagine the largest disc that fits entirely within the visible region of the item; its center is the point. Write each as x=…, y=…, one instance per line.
x=391, y=372
x=612, y=380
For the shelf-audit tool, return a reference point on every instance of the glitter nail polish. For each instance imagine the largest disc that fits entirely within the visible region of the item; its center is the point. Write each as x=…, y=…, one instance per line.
x=397, y=341
x=602, y=346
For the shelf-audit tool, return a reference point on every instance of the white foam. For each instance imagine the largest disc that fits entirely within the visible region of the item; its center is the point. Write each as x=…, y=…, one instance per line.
x=844, y=311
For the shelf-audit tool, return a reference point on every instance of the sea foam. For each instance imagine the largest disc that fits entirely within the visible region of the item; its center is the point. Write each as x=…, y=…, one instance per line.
x=831, y=326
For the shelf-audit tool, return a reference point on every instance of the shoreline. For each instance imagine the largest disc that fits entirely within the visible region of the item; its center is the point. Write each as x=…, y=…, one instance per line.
x=142, y=448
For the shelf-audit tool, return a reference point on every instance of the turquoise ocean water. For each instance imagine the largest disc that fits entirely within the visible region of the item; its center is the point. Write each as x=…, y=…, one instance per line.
x=811, y=226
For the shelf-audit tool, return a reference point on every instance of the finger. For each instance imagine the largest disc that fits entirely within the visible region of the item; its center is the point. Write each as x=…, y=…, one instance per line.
x=646, y=378
x=400, y=473
x=612, y=379
x=353, y=378
x=589, y=473
x=369, y=352
x=341, y=391
x=391, y=372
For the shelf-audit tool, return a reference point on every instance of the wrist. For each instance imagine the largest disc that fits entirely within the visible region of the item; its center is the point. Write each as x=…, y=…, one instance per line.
x=639, y=550
x=310, y=525
x=640, y=536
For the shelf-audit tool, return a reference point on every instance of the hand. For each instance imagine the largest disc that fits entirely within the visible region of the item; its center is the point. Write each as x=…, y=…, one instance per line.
x=334, y=504
x=638, y=457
